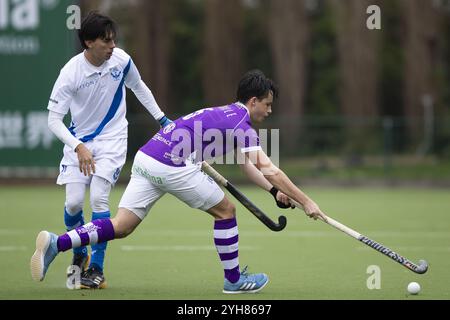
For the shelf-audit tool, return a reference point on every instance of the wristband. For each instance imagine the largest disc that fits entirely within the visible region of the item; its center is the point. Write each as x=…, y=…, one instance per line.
x=164, y=121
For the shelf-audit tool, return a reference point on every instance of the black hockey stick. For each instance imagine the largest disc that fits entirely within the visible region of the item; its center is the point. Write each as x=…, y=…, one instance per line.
x=244, y=200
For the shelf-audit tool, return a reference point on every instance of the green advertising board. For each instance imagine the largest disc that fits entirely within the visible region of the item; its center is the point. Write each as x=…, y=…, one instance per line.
x=35, y=43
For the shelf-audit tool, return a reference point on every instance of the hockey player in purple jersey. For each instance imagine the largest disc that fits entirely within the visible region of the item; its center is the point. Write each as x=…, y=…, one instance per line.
x=170, y=162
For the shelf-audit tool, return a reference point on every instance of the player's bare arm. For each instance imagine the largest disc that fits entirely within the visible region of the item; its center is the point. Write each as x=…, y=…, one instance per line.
x=255, y=176
x=282, y=182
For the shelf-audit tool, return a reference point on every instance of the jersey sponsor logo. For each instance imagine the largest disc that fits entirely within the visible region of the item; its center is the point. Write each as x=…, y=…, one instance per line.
x=158, y=137
x=87, y=84
x=54, y=101
x=115, y=74
x=144, y=173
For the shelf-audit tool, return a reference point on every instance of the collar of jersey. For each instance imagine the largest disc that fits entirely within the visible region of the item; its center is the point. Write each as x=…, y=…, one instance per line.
x=90, y=69
x=240, y=104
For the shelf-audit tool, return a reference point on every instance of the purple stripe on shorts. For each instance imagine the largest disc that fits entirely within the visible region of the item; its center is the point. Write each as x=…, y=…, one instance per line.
x=228, y=256
x=226, y=242
x=225, y=224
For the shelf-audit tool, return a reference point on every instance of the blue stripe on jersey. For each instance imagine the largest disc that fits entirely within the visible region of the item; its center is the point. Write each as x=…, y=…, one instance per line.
x=112, y=109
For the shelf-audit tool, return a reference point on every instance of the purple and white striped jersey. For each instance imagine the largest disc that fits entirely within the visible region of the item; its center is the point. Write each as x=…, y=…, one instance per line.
x=204, y=134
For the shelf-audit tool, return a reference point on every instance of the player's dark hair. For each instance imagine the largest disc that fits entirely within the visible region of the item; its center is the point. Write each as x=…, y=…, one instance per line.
x=94, y=26
x=255, y=84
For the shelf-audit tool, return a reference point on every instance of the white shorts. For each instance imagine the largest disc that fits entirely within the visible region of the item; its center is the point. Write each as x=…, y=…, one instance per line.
x=151, y=179
x=109, y=156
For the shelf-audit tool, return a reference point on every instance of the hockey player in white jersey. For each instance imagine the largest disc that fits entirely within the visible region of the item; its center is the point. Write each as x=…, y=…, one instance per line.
x=91, y=86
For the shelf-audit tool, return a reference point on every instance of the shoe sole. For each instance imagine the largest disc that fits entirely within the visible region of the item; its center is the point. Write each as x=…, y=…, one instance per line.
x=247, y=291
x=37, y=260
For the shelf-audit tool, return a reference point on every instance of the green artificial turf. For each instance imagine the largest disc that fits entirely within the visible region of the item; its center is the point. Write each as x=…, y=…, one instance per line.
x=171, y=254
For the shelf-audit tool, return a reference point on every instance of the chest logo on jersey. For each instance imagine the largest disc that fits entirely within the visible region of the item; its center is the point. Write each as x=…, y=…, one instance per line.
x=167, y=129
x=115, y=73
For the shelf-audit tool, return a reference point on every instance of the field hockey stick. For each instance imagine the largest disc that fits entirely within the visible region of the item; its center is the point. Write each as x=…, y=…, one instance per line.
x=244, y=200
x=421, y=268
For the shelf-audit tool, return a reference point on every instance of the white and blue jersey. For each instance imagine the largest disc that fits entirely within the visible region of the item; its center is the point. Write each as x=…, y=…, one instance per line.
x=95, y=96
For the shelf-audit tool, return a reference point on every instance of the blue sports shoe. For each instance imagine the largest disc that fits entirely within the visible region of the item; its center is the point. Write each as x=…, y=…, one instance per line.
x=247, y=283
x=46, y=251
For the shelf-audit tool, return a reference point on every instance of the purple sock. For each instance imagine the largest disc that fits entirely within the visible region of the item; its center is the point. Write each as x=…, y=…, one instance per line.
x=93, y=232
x=226, y=240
